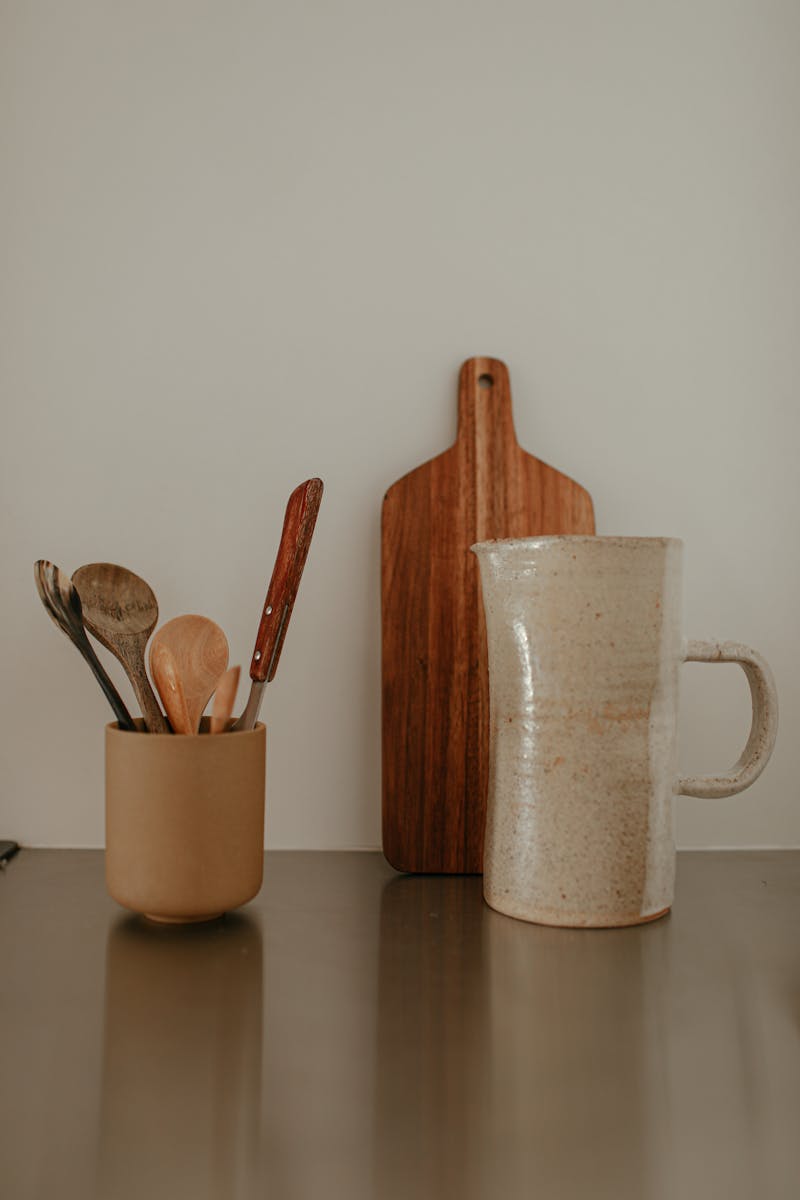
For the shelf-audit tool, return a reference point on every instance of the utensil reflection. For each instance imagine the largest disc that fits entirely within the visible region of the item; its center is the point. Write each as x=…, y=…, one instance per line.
x=181, y=1085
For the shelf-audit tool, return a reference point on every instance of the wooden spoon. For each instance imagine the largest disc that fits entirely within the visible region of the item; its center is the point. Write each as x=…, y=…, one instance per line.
x=224, y=700
x=121, y=611
x=188, y=673
x=170, y=687
x=64, y=606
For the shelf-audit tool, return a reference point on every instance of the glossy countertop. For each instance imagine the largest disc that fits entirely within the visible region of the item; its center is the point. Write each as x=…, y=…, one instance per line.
x=354, y=1033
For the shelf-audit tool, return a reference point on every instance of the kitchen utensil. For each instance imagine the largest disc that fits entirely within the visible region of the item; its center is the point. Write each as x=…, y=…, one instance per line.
x=170, y=688
x=121, y=611
x=224, y=700
x=435, y=683
x=585, y=645
x=63, y=604
x=298, y=529
x=187, y=657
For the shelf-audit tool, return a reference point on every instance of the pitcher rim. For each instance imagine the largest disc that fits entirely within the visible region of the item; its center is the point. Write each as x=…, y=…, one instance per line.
x=571, y=539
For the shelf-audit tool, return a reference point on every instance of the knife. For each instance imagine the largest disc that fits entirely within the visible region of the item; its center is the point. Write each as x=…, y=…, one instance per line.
x=298, y=529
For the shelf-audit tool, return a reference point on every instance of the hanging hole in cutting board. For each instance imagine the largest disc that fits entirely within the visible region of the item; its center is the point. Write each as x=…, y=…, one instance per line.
x=485, y=381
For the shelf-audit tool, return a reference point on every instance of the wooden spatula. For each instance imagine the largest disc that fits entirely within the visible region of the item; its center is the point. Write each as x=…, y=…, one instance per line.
x=435, y=678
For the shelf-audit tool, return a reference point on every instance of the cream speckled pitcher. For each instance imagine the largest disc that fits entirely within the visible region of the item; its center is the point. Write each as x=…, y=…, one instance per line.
x=584, y=638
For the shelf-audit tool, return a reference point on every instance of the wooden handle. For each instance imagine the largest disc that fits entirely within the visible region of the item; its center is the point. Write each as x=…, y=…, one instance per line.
x=484, y=402
x=298, y=528
x=224, y=700
x=169, y=686
x=154, y=720
x=63, y=605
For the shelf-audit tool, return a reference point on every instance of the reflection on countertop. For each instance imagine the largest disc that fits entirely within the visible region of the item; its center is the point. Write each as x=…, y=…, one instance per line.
x=181, y=1082
x=509, y=1053
x=353, y=1033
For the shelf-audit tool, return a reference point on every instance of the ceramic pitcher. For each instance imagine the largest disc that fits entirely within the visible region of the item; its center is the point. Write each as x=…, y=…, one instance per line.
x=585, y=644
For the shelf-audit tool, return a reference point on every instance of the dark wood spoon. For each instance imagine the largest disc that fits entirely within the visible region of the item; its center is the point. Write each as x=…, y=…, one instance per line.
x=63, y=604
x=121, y=611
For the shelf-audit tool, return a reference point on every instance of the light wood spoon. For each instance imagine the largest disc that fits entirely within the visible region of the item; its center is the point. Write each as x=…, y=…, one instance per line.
x=165, y=672
x=224, y=700
x=63, y=604
x=121, y=611
x=187, y=657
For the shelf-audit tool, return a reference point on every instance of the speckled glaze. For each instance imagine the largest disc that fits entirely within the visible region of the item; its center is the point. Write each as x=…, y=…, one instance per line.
x=584, y=641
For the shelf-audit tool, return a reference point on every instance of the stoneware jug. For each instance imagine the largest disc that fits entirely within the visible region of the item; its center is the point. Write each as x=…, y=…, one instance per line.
x=585, y=643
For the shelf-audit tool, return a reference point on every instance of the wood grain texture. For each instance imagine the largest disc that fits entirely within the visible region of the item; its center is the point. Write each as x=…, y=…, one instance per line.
x=435, y=714
x=121, y=611
x=224, y=700
x=298, y=529
x=63, y=604
x=169, y=685
x=188, y=656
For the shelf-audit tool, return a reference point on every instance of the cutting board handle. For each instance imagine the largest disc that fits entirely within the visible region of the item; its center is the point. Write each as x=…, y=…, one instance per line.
x=484, y=402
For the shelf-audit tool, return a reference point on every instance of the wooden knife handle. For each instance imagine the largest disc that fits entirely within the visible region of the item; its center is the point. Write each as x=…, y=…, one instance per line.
x=298, y=528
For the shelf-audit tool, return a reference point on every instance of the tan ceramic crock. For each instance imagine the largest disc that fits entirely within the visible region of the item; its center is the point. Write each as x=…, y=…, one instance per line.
x=184, y=821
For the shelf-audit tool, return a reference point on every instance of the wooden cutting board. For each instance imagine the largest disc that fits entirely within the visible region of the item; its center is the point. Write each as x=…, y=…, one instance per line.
x=435, y=679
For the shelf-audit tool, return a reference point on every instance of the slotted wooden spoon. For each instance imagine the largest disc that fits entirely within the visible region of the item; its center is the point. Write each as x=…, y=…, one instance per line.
x=188, y=656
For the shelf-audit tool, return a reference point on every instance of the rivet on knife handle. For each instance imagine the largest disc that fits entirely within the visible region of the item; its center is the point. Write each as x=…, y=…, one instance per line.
x=298, y=529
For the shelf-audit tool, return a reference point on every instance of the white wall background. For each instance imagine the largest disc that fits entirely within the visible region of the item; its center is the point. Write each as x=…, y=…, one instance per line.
x=245, y=243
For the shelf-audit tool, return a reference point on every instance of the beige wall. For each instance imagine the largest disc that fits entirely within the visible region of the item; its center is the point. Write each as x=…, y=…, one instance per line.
x=249, y=242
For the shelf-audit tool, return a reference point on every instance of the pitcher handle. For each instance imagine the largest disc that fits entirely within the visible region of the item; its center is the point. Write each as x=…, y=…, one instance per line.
x=764, y=727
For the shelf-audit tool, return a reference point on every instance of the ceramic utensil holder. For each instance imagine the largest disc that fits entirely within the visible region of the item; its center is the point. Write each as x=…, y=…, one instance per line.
x=184, y=821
